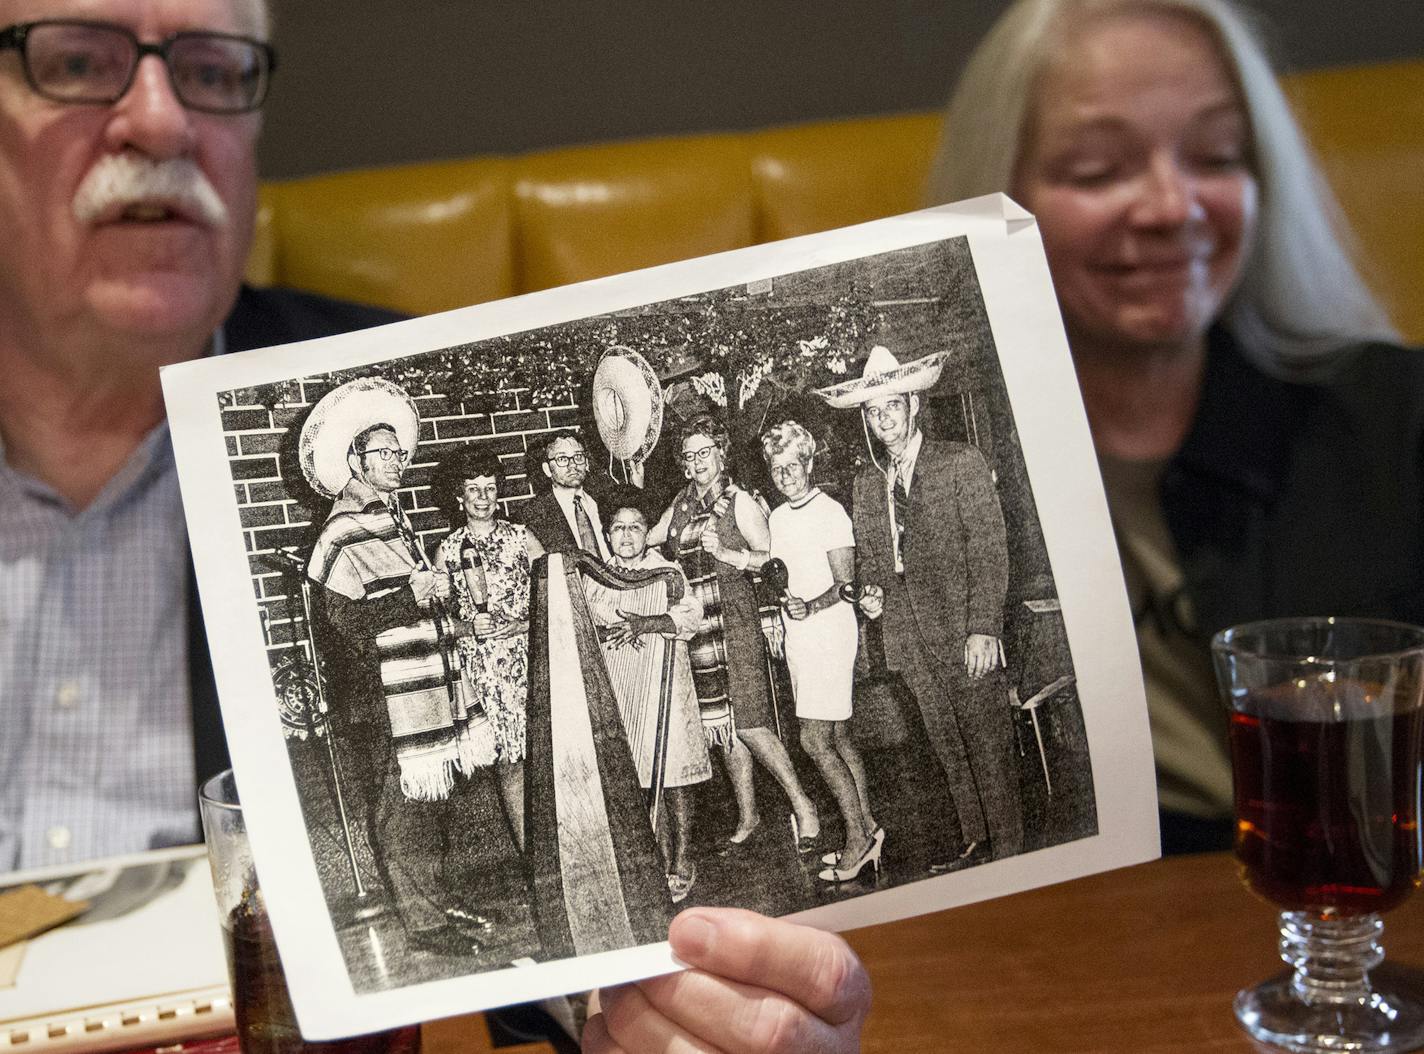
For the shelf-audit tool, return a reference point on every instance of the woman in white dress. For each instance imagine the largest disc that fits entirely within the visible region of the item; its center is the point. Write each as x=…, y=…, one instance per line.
x=811, y=534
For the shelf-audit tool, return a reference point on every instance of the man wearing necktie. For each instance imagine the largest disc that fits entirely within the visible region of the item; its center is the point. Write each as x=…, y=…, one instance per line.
x=932, y=555
x=566, y=518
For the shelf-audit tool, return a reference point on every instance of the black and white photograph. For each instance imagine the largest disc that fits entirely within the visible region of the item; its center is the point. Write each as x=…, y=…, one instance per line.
x=725, y=583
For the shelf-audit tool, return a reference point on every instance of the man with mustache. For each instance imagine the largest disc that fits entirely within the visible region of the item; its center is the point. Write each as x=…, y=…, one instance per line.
x=127, y=198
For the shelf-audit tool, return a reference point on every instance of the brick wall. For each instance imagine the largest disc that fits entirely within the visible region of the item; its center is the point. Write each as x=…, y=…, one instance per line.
x=280, y=513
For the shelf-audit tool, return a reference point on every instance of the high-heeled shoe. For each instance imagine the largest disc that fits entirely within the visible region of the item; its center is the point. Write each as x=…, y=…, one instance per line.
x=805, y=843
x=877, y=837
x=680, y=885
x=871, y=856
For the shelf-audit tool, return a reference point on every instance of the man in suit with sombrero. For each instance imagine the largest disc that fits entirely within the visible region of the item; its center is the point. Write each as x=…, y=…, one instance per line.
x=931, y=554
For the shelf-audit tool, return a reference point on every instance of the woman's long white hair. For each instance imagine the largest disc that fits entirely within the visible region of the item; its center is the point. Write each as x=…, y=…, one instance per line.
x=1301, y=296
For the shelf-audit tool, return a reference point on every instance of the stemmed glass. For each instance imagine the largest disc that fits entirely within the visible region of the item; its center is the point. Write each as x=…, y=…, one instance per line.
x=1326, y=721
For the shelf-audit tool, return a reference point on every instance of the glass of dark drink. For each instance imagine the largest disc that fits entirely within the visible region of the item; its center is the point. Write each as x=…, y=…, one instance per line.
x=266, y=1023
x=1326, y=721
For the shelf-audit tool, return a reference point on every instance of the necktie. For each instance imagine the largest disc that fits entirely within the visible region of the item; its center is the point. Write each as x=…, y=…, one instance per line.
x=588, y=537
x=900, y=497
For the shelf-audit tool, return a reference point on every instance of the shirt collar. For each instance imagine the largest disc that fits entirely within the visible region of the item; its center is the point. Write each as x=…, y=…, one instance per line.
x=912, y=448
x=150, y=460
x=905, y=463
x=565, y=495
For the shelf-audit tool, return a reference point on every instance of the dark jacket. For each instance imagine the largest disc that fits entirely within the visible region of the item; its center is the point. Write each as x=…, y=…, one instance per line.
x=544, y=516
x=1296, y=498
x=955, y=555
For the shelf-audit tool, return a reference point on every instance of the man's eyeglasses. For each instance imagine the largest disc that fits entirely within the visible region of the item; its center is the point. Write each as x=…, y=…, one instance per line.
x=702, y=453
x=94, y=63
x=388, y=452
x=565, y=460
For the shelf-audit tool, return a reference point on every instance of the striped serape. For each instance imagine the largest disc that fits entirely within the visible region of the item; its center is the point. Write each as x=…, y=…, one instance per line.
x=599, y=881
x=367, y=550
x=708, y=648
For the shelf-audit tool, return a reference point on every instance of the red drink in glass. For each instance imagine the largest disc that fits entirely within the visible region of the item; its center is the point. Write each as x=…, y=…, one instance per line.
x=1327, y=797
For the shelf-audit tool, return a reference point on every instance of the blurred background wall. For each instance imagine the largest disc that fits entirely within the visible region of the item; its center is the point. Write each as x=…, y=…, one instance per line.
x=371, y=82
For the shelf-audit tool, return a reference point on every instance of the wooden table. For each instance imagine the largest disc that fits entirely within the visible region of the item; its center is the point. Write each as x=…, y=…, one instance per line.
x=1143, y=960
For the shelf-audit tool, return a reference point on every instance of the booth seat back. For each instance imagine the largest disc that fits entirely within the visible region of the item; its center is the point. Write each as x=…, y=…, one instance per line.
x=433, y=236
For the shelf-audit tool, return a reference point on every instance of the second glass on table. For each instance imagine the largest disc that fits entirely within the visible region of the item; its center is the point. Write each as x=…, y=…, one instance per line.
x=266, y=1022
x=1327, y=717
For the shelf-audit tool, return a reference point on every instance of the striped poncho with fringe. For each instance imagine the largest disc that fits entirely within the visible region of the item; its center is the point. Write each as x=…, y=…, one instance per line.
x=365, y=552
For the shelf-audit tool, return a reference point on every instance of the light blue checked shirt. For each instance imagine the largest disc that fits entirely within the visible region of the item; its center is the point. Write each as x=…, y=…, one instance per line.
x=95, y=730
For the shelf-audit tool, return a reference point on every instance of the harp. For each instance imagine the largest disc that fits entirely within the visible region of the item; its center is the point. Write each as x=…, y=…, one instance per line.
x=640, y=673
x=599, y=880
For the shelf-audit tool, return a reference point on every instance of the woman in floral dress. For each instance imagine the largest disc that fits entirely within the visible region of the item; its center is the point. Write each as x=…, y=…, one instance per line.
x=488, y=559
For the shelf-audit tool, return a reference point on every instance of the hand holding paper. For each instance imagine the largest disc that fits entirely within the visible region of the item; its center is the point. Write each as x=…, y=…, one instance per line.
x=755, y=984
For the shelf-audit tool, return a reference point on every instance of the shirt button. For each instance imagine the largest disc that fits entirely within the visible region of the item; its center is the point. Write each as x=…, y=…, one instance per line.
x=58, y=837
x=67, y=695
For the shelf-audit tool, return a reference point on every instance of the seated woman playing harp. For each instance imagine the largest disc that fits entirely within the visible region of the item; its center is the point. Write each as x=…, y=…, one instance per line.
x=614, y=739
x=644, y=632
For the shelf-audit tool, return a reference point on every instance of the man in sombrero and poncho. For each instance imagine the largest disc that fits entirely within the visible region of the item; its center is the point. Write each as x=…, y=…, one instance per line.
x=402, y=716
x=932, y=558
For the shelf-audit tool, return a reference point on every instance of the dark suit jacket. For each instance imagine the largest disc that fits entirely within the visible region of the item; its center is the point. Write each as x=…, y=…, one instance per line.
x=259, y=319
x=956, y=555
x=545, y=518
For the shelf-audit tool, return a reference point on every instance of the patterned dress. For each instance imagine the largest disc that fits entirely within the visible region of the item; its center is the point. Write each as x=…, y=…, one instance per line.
x=496, y=669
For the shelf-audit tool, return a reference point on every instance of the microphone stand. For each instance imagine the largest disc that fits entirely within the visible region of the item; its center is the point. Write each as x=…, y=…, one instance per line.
x=365, y=907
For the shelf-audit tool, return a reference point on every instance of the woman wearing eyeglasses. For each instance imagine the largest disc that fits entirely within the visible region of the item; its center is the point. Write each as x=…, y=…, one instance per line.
x=716, y=532
x=488, y=560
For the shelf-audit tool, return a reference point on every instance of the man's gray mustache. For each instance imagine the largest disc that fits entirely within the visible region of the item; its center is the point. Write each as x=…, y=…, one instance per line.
x=117, y=181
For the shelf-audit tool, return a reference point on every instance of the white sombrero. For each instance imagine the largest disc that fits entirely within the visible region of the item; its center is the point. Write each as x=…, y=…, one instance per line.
x=339, y=416
x=627, y=404
x=884, y=375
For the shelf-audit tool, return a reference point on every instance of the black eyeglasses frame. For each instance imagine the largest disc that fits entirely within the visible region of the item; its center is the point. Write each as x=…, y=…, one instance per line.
x=565, y=460
x=13, y=38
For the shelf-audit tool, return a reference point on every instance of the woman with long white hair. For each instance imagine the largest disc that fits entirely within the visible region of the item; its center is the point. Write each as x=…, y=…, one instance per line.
x=1259, y=431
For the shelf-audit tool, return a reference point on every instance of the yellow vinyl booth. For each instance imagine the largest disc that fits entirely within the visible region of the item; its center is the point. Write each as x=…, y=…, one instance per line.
x=432, y=236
